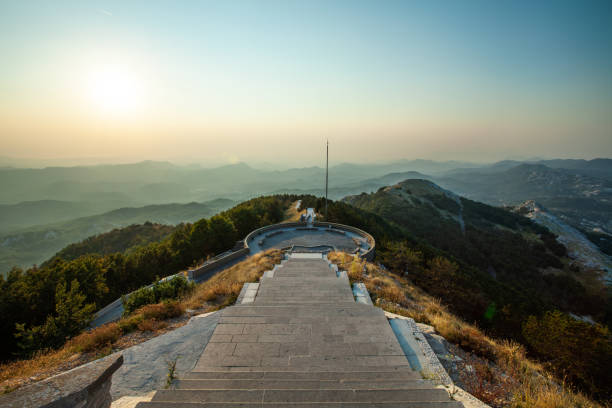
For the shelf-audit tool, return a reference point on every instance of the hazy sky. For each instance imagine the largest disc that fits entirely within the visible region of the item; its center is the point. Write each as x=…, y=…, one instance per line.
x=211, y=81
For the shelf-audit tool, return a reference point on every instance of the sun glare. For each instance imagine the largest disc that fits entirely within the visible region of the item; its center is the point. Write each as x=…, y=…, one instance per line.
x=116, y=90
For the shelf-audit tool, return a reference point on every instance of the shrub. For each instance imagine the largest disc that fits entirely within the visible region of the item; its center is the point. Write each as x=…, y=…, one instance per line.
x=96, y=339
x=163, y=290
x=394, y=294
x=130, y=324
x=223, y=288
x=161, y=311
x=355, y=271
x=147, y=325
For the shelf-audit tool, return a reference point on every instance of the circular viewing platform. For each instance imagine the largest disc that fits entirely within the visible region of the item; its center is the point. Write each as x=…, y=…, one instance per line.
x=315, y=237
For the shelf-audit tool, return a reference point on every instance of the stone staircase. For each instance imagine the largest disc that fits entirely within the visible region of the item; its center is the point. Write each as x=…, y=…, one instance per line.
x=302, y=342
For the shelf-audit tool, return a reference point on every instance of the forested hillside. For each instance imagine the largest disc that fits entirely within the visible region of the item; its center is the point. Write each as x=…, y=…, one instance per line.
x=500, y=270
x=42, y=306
x=117, y=240
x=34, y=245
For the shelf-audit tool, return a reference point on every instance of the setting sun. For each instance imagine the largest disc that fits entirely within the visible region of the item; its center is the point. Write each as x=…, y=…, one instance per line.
x=115, y=89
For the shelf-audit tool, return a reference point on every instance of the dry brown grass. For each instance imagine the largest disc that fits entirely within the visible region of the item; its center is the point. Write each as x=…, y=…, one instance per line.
x=96, y=338
x=520, y=382
x=340, y=258
x=162, y=311
x=29, y=367
x=224, y=288
x=544, y=393
x=219, y=291
x=486, y=382
x=147, y=325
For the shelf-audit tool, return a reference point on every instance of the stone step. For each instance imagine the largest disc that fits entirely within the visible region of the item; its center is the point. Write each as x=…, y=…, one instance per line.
x=371, y=376
x=424, y=404
x=289, y=301
x=340, y=311
x=292, y=396
x=301, y=296
x=284, y=384
x=313, y=369
x=331, y=296
x=303, y=342
x=284, y=283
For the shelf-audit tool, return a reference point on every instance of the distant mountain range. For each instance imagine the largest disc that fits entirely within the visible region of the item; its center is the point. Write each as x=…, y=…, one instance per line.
x=161, y=182
x=34, y=245
x=579, y=192
x=581, y=200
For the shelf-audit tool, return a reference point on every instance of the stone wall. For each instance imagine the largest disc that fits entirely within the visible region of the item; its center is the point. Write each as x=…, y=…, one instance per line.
x=87, y=386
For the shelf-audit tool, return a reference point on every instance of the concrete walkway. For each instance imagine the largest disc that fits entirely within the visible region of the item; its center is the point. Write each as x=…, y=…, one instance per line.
x=145, y=366
x=302, y=342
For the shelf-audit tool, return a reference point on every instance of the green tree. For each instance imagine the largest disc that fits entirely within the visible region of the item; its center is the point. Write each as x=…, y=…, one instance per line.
x=224, y=233
x=245, y=220
x=201, y=239
x=71, y=317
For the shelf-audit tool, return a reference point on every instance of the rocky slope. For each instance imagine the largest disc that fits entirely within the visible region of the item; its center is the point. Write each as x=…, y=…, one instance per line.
x=582, y=250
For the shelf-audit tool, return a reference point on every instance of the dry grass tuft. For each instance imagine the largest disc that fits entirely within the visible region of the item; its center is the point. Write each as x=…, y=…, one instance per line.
x=355, y=270
x=11, y=372
x=485, y=382
x=340, y=258
x=545, y=393
x=95, y=339
x=224, y=288
x=162, y=311
x=147, y=325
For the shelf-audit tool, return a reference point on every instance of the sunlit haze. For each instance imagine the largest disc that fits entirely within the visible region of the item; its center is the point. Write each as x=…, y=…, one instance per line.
x=269, y=81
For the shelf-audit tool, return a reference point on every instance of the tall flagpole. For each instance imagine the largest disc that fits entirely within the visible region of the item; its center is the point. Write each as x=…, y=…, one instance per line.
x=326, y=174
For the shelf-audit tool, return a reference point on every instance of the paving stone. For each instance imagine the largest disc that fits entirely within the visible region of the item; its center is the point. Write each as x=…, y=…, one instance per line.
x=377, y=349
x=261, y=349
x=219, y=349
x=296, y=329
x=229, y=329
x=275, y=361
x=295, y=349
x=279, y=338
x=243, y=338
x=241, y=319
x=222, y=338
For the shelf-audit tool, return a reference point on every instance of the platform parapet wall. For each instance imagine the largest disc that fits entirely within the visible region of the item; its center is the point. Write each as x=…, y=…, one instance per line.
x=368, y=255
